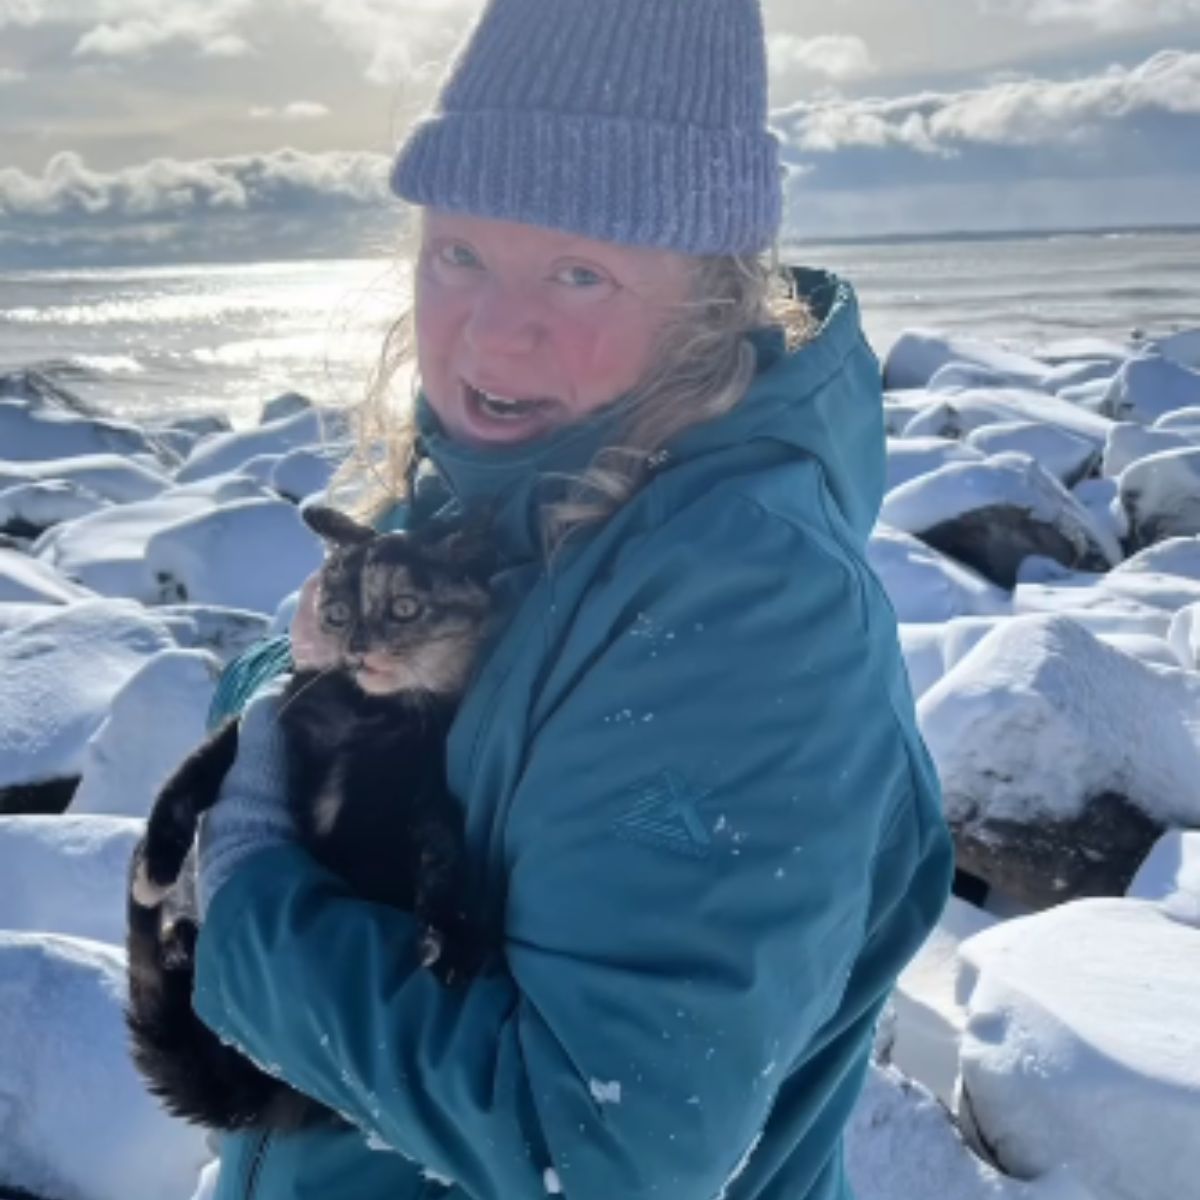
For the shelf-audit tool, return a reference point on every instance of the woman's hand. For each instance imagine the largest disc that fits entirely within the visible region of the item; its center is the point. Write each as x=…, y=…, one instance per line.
x=312, y=649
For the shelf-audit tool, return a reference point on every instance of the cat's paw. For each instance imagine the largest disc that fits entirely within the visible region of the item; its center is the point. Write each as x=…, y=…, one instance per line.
x=146, y=892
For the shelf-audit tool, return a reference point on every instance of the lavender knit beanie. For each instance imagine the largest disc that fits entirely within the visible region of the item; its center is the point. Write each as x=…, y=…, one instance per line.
x=642, y=122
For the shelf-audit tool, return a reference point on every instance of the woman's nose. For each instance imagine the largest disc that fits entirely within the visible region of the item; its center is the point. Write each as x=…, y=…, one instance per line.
x=503, y=321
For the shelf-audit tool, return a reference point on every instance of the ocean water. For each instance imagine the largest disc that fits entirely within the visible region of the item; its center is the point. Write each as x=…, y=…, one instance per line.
x=157, y=342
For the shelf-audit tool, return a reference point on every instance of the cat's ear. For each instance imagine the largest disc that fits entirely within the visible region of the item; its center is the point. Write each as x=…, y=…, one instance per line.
x=335, y=527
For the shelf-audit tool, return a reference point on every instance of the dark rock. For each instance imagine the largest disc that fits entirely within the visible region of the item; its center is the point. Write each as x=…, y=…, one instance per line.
x=48, y=798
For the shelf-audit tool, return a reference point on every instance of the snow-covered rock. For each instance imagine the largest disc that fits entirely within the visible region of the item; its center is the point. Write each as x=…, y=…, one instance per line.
x=1182, y=347
x=961, y=412
x=1184, y=637
x=58, y=677
x=1068, y=351
x=901, y=1144
x=66, y=875
x=1128, y=442
x=123, y=769
x=1183, y=420
x=1067, y=456
x=114, y=476
x=1149, y=386
x=106, y=551
x=29, y=432
x=222, y=632
x=228, y=451
x=300, y=474
x=899, y=408
x=925, y=585
x=77, y=1120
x=994, y=514
x=1171, y=876
x=24, y=579
x=29, y=509
x=16, y=614
x=1101, y=497
x=929, y=1017
x=282, y=407
x=1118, y=590
x=1073, y=372
x=918, y=354
x=216, y=557
x=1161, y=496
x=1176, y=556
x=1061, y=759
x=39, y=390
x=1082, y=1046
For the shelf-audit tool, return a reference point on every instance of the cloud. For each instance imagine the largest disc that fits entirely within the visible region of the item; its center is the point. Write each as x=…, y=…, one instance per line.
x=837, y=57
x=1010, y=113
x=1107, y=14
x=10, y=75
x=282, y=181
x=298, y=110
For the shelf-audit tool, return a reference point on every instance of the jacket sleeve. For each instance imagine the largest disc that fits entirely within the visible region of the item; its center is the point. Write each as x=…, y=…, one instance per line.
x=689, y=859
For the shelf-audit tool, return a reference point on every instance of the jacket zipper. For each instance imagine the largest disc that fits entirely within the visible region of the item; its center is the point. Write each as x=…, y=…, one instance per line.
x=256, y=1162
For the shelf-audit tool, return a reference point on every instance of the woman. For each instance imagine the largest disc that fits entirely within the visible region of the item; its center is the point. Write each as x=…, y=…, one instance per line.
x=698, y=810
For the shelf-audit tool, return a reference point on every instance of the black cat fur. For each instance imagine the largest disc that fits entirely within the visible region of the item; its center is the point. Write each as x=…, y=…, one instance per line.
x=366, y=748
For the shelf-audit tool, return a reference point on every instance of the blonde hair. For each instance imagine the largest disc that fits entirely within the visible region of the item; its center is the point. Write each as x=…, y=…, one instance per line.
x=702, y=365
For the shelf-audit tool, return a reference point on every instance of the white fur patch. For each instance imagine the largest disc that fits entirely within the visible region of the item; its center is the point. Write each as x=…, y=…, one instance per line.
x=146, y=893
x=329, y=802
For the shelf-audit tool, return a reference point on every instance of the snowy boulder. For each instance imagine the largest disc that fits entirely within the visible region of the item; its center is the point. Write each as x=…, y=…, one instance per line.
x=926, y=586
x=992, y=515
x=1065, y=352
x=955, y=376
x=30, y=433
x=39, y=391
x=931, y=649
x=1127, y=443
x=16, y=614
x=1176, y=556
x=1132, y=591
x=26, y=580
x=1101, y=497
x=909, y=458
x=1182, y=347
x=58, y=677
x=77, y=1120
x=1067, y=456
x=1183, y=420
x=918, y=354
x=929, y=1018
x=202, y=424
x=29, y=509
x=1061, y=759
x=1171, y=876
x=1161, y=496
x=962, y=412
x=222, y=632
x=1184, y=637
x=1082, y=1046
x=66, y=875
x=228, y=451
x=282, y=407
x=106, y=551
x=1148, y=387
x=217, y=557
x=300, y=474
x=112, y=476
x=899, y=408
x=123, y=769
x=902, y=1144
x=1083, y=371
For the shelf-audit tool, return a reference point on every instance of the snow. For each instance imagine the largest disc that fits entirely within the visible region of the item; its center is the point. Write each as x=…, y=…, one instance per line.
x=24, y=579
x=123, y=769
x=77, y=1120
x=66, y=874
x=1082, y=1044
x=1041, y=716
x=60, y=675
x=1074, y=1030
x=1146, y=388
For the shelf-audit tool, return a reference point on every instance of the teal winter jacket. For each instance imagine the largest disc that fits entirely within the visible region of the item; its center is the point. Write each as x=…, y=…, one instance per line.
x=702, y=826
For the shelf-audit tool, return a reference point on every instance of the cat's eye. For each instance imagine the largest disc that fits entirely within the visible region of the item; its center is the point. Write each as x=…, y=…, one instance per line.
x=337, y=614
x=405, y=608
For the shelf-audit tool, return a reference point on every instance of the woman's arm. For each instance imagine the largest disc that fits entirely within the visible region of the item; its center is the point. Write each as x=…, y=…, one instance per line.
x=690, y=873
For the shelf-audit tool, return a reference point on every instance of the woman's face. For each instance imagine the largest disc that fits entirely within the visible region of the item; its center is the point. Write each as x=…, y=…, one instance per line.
x=521, y=330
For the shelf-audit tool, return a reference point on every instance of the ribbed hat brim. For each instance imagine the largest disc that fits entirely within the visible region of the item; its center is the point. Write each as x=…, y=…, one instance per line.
x=618, y=180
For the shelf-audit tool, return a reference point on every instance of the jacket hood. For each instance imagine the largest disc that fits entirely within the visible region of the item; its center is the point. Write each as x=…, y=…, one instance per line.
x=822, y=400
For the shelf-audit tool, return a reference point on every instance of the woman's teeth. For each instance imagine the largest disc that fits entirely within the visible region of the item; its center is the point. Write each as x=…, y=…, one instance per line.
x=501, y=407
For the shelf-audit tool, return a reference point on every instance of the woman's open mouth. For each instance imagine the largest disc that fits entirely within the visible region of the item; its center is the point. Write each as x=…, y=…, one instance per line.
x=493, y=415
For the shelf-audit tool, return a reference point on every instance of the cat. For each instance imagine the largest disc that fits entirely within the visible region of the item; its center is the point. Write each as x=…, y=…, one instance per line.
x=365, y=744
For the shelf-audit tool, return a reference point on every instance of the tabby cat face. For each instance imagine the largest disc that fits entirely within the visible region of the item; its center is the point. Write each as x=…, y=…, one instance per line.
x=404, y=614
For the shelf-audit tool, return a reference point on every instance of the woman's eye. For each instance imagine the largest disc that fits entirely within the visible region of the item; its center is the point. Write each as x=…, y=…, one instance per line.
x=405, y=608
x=337, y=615
x=580, y=277
x=455, y=254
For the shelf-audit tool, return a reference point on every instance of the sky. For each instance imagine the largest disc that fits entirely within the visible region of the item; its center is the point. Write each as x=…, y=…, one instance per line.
x=158, y=130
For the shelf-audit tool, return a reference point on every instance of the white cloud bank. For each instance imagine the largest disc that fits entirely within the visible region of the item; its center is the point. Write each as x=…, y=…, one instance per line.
x=298, y=110
x=1106, y=14
x=838, y=57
